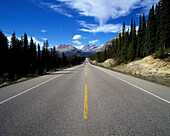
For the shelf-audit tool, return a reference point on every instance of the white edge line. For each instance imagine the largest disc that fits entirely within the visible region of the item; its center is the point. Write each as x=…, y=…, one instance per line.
x=135, y=86
x=10, y=98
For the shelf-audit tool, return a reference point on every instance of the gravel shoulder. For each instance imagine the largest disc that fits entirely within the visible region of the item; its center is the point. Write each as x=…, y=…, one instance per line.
x=148, y=68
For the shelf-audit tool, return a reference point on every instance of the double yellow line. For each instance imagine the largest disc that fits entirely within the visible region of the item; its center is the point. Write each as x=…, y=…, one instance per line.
x=85, y=100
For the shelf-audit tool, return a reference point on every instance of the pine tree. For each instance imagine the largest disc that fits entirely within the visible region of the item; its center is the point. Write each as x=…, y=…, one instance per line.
x=20, y=58
x=125, y=47
x=34, y=58
x=22, y=41
x=98, y=57
x=150, y=33
x=157, y=25
x=25, y=43
x=47, y=54
x=119, y=46
x=130, y=52
x=132, y=45
x=46, y=44
x=113, y=49
x=143, y=35
x=164, y=27
x=14, y=56
x=153, y=30
x=131, y=30
x=139, y=41
x=26, y=55
x=166, y=12
x=43, y=64
x=123, y=33
x=14, y=41
x=134, y=41
x=39, y=61
x=51, y=59
x=116, y=47
x=54, y=57
x=64, y=60
x=109, y=51
x=147, y=36
x=31, y=44
x=31, y=55
x=4, y=54
x=105, y=55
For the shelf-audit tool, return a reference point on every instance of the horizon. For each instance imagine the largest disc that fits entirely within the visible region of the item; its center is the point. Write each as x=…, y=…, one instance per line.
x=76, y=23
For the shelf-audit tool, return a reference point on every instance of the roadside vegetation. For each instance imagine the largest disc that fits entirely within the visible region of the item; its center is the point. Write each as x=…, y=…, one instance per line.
x=152, y=37
x=144, y=53
x=23, y=59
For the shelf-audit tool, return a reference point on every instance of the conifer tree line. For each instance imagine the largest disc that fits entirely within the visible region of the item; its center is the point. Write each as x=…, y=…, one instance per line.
x=23, y=58
x=152, y=36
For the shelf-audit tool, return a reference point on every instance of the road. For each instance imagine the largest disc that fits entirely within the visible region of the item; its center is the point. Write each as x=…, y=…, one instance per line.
x=85, y=100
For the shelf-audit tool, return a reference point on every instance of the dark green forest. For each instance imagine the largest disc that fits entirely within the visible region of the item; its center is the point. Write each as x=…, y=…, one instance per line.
x=23, y=58
x=152, y=37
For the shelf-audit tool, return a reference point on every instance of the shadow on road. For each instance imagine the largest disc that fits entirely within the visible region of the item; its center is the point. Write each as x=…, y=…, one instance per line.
x=58, y=73
x=68, y=70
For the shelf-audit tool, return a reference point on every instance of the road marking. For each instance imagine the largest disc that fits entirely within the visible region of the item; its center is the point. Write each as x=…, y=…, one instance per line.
x=86, y=73
x=136, y=86
x=85, y=103
x=28, y=90
x=34, y=87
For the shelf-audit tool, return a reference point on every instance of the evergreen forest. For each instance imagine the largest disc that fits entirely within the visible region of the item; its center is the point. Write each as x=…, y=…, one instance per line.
x=152, y=37
x=23, y=58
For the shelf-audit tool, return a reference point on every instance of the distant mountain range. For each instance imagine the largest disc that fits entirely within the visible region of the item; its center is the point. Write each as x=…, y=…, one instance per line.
x=87, y=50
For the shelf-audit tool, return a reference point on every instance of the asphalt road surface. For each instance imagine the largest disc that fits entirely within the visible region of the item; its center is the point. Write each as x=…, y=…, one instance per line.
x=85, y=100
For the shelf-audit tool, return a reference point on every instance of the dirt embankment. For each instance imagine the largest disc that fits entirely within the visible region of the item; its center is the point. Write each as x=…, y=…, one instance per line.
x=148, y=68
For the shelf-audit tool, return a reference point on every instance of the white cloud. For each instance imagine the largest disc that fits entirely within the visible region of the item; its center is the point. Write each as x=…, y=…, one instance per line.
x=137, y=27
x=84, y=24
x=146, y=5
x=77, y=42
x=102, y=10
x=35, y=40
x=57, y=8
x=10, y=36
x=43, y=31
x=44, y=38
x=93, y=42
x=106, y=28
x=75, y=37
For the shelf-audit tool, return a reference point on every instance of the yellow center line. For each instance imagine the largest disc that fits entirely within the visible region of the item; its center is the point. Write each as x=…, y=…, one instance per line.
x=85, y=103
x=86, y=73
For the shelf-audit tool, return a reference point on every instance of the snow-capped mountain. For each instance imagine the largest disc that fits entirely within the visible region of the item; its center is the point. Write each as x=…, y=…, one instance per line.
x=71, y=50
x=65, y=48
x=87, y=50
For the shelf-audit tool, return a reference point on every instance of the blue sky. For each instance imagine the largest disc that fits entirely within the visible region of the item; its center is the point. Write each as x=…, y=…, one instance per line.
x=74, y=22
